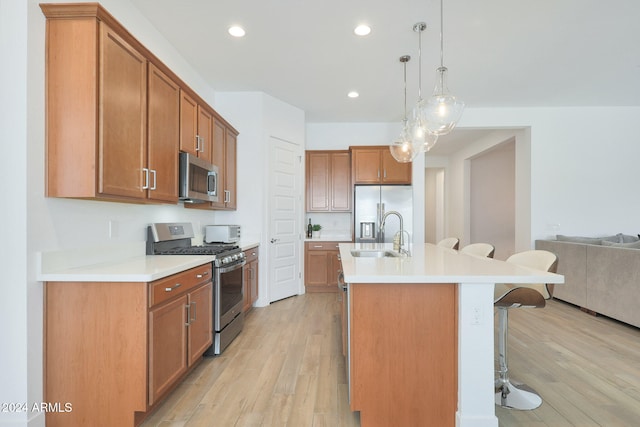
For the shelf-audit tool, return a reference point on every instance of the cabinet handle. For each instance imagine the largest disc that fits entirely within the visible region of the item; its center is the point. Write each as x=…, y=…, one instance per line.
x=378, y=173
x=197, y=143
x=188, y=322
x=200, y=276
x=317, y=246
x=227, y=196
x=153, y=187
x=145, y=186
x=194, y=312
x=385, y=173
x=176, y=286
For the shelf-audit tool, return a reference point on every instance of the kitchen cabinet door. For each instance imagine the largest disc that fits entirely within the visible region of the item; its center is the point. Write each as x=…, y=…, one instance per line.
x=366, y=165
x=205, y=134
x=376, y=165
x=188, y=124
x=167, y=346
x=123, y=117
x=328, y=181
x=394, y=172
x=200, y=321
x=321, y=266
x=318, y=171
x=225, y=157
x=341, y=188
x=250, y=279
x=230, y=174
x=196, y=131
x=316, y=268
x=163, y=136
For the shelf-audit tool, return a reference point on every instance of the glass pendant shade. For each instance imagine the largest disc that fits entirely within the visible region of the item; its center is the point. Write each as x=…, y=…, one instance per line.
x=442, y=110
x=403, y=149
x=421, y=137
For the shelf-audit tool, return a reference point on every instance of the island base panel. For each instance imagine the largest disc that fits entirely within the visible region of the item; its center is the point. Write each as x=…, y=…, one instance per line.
x=404, y=354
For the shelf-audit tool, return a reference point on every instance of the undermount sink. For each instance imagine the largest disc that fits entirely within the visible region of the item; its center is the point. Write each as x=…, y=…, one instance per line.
x=374, y=253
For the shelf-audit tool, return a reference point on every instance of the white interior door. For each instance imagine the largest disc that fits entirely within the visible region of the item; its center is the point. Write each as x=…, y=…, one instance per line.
x=284, y=201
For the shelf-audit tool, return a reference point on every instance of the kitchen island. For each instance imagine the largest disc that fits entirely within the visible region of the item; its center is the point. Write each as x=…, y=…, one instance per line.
x=419, y=334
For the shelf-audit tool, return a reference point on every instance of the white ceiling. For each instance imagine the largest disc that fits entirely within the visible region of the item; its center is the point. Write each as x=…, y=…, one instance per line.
x=500, y=53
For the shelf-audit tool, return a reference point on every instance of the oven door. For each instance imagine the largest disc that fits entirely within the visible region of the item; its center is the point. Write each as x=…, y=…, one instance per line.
x=228, y=294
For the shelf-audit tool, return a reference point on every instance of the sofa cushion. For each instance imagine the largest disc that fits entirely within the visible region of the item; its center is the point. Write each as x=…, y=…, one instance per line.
x=626, y=238
x=618, y=238
x=631, y=245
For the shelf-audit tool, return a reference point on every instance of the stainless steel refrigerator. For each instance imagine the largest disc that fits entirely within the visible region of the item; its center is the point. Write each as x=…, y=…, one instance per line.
x=371, y=203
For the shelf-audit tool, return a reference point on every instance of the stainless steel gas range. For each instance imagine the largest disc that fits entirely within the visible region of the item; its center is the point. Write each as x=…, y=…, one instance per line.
x=228, y=319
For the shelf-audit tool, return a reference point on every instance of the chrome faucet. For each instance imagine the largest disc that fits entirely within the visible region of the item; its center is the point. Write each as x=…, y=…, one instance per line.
x=401, y=248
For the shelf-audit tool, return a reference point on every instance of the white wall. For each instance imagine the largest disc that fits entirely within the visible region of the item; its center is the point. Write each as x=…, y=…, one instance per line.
x=583, y=163
x=257, y=116
x=492, y=199
x=15, y=337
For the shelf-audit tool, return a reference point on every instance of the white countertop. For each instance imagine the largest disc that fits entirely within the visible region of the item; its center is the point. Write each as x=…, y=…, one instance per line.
x=146, y=268
x=116, y=263
x=432, y=264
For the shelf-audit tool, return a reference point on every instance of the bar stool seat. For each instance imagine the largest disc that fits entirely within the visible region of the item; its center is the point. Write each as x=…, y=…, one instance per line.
x=510, y=393
x=449, y=242
x=480, y=249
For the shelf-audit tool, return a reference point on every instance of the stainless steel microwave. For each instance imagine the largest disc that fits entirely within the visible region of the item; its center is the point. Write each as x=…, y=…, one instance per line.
x=198, y=180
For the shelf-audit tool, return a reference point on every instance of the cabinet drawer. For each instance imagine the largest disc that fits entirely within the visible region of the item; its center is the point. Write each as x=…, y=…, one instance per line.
x=322, y=246
x=251, y=254
x=177, y=284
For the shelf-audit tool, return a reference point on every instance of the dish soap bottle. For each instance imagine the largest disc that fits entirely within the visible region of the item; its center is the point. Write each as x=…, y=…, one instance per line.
x=309, y=229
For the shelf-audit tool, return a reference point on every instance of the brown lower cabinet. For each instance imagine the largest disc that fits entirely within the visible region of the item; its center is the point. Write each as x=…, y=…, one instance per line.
x=250, y=274
x=321, y=266
x=113, y=350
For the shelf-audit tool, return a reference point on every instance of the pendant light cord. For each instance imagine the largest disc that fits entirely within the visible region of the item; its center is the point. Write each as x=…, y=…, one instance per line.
x=405, y=90
x=441, y=35
x=419, y=28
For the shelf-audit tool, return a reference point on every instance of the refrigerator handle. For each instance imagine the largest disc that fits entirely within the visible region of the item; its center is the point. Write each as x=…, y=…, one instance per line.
x=380, y=229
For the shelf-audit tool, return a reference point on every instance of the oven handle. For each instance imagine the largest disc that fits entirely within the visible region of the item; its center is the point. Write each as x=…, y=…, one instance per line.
x=231, y=267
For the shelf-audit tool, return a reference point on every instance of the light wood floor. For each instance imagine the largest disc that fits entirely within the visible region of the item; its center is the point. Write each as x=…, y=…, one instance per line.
x=286, y=369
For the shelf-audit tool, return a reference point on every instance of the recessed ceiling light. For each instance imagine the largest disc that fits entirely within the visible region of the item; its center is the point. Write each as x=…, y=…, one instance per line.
x=362, y=30
x=353, y=94
x=236, y=31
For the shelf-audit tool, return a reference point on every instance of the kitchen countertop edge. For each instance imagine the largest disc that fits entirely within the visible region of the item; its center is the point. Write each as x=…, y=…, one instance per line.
x=145, y=268
x=432, y=264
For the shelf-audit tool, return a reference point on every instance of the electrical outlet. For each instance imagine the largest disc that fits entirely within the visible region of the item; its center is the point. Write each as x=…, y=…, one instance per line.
x=476, y=315
x=113, y=229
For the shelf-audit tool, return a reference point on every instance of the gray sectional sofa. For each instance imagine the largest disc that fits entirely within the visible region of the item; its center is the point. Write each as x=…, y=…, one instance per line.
x=601, y=274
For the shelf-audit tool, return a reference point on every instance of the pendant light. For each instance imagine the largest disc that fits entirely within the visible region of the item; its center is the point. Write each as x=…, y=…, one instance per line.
x=442, y=110
x=420, y=135
x=403, y=148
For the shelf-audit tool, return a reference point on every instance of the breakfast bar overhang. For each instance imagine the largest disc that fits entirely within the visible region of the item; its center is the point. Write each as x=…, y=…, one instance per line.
x=402, y=312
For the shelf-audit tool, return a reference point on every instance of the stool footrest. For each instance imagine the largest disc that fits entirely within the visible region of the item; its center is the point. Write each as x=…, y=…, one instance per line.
x=513, y=395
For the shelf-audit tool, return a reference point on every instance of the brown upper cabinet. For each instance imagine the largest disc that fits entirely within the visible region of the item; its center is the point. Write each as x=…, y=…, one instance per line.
x=163, y=128
x=328, y=176
x=196, y=128
x=225, y=157
x=116, y=116
x=376, y=165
